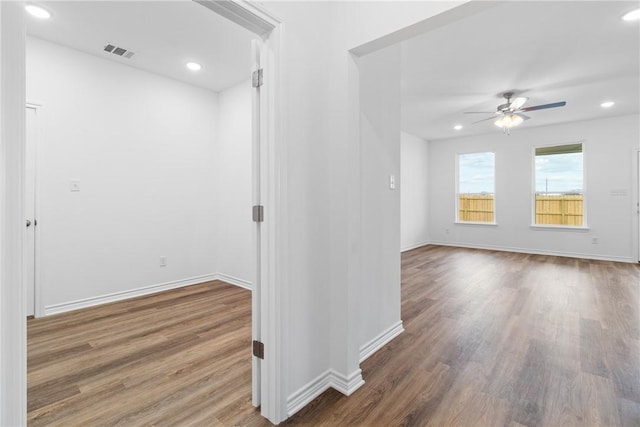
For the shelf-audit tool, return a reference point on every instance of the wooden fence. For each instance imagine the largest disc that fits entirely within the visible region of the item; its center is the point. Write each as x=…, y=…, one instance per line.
x=476, y=208
x=562, y=209
x=550, y=210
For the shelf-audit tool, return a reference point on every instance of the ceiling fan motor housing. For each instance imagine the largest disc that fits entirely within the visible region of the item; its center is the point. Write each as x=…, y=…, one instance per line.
x=503, y=108
x=506, y=106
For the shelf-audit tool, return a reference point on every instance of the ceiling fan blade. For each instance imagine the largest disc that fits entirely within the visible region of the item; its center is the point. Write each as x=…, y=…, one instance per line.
x=524, y=116
x=480, y=112
x=544, y=106
x=518, y=102
x=484, y=120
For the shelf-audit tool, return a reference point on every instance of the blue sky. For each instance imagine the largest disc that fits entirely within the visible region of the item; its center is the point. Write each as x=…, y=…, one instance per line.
x=562, y=173
x=476, y=173
x=557, y=173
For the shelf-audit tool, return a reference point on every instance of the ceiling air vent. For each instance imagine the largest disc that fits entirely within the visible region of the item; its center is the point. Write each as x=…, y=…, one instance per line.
x=116, y=50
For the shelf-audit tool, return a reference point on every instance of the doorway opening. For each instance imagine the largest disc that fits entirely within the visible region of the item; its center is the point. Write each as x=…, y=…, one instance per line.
x=185, y=194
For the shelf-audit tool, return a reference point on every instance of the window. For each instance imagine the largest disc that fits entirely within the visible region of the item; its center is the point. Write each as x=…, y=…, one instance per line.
x=476, y=183
x=559, y=186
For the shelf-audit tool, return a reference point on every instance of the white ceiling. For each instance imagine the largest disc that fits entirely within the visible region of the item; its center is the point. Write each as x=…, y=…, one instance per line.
x=580, y=52
x=163, y=34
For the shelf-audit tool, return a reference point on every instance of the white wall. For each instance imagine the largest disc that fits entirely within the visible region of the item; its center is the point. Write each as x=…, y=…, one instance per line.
x=321, y=293
x=414, y=192
x=142, y=148
x=235, y=258
x=610, y=162
x=380, y=227
x=305, y=105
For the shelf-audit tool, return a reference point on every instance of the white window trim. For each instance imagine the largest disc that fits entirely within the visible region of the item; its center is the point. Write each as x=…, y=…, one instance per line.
x=560, y=227
x=457, y=190
x=489, y=224
x=549, y=227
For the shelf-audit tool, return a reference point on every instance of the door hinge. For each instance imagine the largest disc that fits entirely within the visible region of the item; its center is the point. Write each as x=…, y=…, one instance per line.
x=258, y=349
x=256, y=78
x=258, y=213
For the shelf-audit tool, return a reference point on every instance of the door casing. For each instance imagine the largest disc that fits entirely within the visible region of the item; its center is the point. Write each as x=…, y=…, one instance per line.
x=31, y=258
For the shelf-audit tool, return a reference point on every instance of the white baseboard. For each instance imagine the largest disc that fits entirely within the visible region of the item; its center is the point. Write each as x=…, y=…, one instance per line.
x=146, y=290
x=346, y=385
x=537, y=251
x=414, y=246
x=378, y=342
x=308, y=392
x=234, y=281
x=326, y=380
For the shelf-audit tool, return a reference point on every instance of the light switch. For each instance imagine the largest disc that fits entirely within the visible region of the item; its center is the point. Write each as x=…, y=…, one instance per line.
x=392, y=182
x=74, y=185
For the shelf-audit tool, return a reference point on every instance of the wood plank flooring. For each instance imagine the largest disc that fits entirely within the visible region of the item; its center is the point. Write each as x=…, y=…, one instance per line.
x=181, y=357
x=502, y=339
x=491, y=339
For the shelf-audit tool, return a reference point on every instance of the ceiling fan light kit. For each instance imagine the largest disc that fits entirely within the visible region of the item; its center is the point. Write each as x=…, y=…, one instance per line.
x=509, y=120
x=511, y=111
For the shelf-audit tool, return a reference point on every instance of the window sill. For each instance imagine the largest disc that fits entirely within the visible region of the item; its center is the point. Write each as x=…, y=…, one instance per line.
x=489, y=224
x=582, y=228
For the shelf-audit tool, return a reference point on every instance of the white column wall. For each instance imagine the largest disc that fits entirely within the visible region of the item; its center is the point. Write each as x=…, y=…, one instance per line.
x=13, y=363
x=321, y=296
x=414, y=192
x=380, y=225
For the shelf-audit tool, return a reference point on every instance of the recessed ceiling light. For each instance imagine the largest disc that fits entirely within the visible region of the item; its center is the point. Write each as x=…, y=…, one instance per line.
x=37, y=11
x=457, y=127
x=607, y=104
x=634, y=15
x=194, y=66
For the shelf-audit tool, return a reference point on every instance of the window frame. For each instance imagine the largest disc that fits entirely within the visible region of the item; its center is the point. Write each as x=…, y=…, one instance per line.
x=457, y=190
x=584, y=225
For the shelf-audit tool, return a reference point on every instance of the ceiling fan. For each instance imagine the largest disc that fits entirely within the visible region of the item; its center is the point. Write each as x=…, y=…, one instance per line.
x=511, y=111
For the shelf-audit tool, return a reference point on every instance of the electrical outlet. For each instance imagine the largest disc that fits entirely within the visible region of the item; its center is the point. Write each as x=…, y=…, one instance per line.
x=446, y=231
x=163, y=261
x=594, y=240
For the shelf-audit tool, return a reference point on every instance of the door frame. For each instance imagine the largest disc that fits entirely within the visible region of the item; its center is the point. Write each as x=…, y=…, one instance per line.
x=13, y=325
x=37, y=305
x=272, y=249
x=13, y=343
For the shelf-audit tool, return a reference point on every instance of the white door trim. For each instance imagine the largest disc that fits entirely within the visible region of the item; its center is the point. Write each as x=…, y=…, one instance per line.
x=256, y=200
x=247, y=14
x=274, y=231
x=38, y=302
x=13, y=325
x=273, y=194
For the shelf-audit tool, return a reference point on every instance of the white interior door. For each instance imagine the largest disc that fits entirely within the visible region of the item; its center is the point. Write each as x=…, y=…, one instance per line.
x=257, y=201
x=30, y=210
